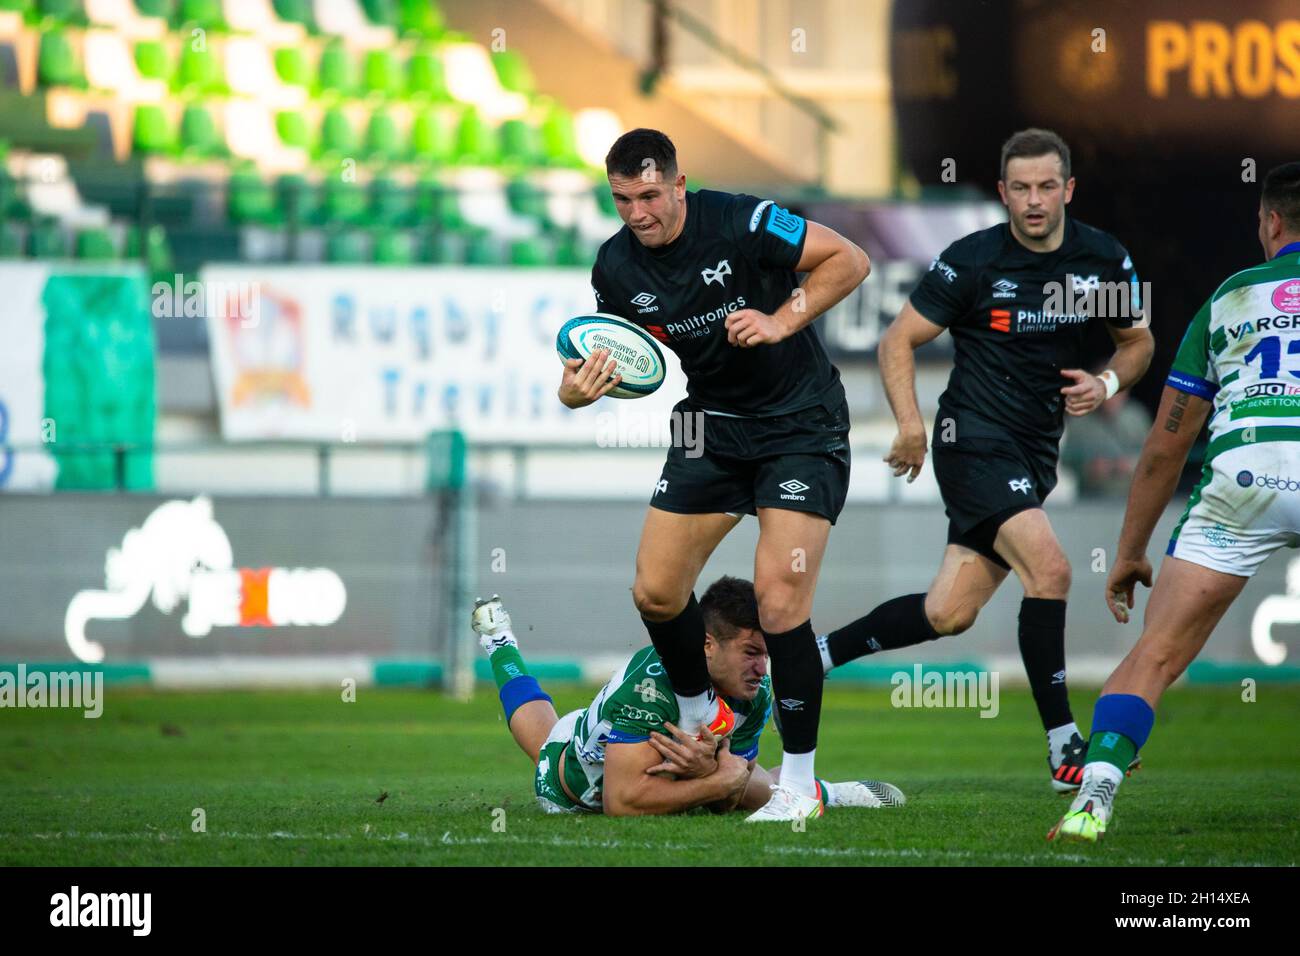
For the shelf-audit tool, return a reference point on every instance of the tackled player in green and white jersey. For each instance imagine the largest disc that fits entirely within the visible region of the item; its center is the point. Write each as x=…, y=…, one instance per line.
x=1238, y=365
x=624, y=755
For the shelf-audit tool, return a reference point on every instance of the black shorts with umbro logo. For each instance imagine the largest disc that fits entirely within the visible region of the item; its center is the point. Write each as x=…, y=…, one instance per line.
x=797, y=462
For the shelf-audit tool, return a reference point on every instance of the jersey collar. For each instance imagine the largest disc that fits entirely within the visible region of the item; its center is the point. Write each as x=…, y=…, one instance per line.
x=1286, y=250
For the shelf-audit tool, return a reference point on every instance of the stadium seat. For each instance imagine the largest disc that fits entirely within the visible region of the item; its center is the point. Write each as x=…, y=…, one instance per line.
x=440, y=247
x=425, y=76
x=66, y=12
x=336, y=70
x=291, y=125
x=345, y=246
x=337, y=137
x=390, y=202
x=383, y=140
x=259, y=18
x=381, y=75
x=433, y=136
x=382, y=13
x=476, y=141
x=482, y=249
x=151, y=132
x=520, y=143
x=345, y=18
x=151, y=247
x=291, y=66
x=46, y=240
x=251, y=134
x=525, y=199
x=342, y=202
x=201, y=13
x=439, y=204
x=420, y=18
x=162, y=9
x=471, y=79
x=111, y=66
x=95, y=244
x=124, y=18
x=513, y=72
x=249, y=199
x=200, y=138
x=296, y=11
x=249, y=72
x=392, y=248
x=198, y=71
x=296, y=198
x=529, y=252
x=56, y=63
x=559, y=141
x=152, y=60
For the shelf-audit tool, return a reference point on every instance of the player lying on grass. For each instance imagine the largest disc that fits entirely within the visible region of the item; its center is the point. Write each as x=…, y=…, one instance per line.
x=624, y=755
x=1240, y=358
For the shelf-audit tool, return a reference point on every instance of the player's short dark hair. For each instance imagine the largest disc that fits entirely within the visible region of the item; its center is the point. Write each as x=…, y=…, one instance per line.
x=728, y=606
x=1281, y=194
x=640, y=150
x=1035, y=142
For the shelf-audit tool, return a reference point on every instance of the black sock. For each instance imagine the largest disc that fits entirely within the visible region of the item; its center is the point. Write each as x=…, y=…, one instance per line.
x=900, y=622
x=680, y=645
x=1042, y=648
x=797, y=681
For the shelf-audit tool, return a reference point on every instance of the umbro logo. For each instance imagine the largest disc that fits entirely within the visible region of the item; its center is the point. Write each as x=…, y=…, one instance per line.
x=1019, y=484
x=643, y=298
x=1004, y=289
x=790, y=703
x=717, y=274
x=792, y=489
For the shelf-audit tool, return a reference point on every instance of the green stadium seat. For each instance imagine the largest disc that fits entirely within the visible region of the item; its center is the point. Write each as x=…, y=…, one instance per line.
x=433, y=136
x=337, y=138
x=440, y=248
x=392, y=248
x=296, y=198
x=569, y=250
x=381, y=75
x=383, y=141
x=559, y=140
x=525, y=199
x=482, y=249
x=529, y=252
x=439, y=204
x=513, y=72
x=68, y=12
x=199, y=136
x=342, y=202
x=11, y=246
x=56, y=64
x=520, y=143
x=291, y=66
x=476, y=141
x=151, y=247
x=345, y=246
x=151, y=132
x=46, y=240
x=390, y=202
x=291, y=125
x=296, y=11
x=162, y=9
x=426, y=78
x=199, y=71
x=419, y=18
x=337, y=71
x=202, y=13
x=249, y=199
x=95, y=244
x=382, y=13
x=152, y=61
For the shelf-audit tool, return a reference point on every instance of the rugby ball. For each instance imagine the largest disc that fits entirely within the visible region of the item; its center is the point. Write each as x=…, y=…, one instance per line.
x=639, y=359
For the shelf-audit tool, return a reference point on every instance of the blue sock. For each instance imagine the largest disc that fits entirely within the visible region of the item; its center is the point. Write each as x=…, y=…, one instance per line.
x=1121, y=724
x=519, y=691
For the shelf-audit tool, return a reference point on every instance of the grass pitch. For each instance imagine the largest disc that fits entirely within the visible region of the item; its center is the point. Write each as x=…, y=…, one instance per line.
x=409, y=777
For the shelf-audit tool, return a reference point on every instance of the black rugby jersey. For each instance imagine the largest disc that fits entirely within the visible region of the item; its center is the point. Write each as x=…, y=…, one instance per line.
x=1013, y=330
x=734, y=252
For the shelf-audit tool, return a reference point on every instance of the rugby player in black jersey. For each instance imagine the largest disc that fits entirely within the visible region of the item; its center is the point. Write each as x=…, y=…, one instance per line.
x=712, y=276
x=997, y=432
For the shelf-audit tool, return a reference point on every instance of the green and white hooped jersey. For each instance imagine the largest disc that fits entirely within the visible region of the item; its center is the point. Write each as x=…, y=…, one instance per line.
x=637, y=700
x=1242, y=351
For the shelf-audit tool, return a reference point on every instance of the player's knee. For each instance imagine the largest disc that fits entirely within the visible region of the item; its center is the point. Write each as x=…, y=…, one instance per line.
x=781, y=608
x=951, y=619
x=655, y=604
x=1049, y=578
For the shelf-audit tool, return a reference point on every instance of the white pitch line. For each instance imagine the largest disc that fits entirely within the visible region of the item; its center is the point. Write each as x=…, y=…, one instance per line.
x=613, y=844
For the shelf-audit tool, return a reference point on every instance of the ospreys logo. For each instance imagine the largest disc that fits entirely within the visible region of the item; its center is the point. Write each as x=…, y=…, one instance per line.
x=717, y=274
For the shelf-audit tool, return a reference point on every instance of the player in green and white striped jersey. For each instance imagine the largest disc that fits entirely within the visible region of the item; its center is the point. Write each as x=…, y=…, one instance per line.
x=1239, y=365
x=624, y=755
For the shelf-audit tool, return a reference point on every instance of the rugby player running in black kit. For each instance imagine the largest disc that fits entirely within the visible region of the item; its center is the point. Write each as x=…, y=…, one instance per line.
x=998, y=428
x=712, y=276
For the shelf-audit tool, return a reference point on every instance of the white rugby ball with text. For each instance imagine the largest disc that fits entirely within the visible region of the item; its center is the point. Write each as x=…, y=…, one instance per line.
x=640, y=361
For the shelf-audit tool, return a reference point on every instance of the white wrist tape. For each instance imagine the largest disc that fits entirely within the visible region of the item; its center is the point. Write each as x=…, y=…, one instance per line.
x=1111, y=381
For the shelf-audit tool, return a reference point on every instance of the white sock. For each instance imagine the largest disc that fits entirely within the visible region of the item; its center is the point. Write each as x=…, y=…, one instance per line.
x=1057, y=738
x=697, y=711
x=493, y=643
x=797, y=772
x=1095, y=773
x=822, y=649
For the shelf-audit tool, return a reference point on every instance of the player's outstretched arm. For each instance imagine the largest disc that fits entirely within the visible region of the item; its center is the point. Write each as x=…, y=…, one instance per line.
x=896, y=353
x=630, y=791
x=583, y=381
x=834, y=266
x=1164, y=454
